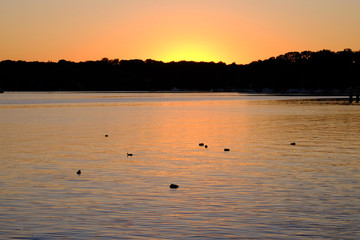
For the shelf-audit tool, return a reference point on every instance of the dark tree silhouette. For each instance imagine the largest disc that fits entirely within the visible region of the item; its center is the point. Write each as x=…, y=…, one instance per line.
x=322, y=71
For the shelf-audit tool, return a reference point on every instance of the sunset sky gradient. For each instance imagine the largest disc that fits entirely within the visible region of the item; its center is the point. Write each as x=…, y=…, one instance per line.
x=238, y=31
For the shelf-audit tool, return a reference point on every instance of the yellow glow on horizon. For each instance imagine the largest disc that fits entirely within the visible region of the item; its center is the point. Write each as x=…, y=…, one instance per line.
x=189, y=51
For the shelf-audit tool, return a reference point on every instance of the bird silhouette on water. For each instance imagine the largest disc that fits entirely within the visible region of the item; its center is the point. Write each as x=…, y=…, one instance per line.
x=78, y=172
x=129, y=154
x=174, y=186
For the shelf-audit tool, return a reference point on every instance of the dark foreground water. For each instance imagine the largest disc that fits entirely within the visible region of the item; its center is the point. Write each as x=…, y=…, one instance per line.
x=263, y=188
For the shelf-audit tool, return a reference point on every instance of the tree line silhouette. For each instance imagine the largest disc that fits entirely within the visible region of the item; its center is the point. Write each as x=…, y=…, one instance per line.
x=322, y=71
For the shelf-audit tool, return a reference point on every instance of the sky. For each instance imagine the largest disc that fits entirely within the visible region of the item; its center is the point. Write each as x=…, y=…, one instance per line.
x=239, y=31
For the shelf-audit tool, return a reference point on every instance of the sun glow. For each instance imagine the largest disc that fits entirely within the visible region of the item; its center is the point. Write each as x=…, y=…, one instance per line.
x=163, y=30
x=190, y=51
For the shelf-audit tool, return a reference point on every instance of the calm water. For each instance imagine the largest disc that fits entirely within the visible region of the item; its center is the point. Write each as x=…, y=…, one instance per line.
x=264, y=188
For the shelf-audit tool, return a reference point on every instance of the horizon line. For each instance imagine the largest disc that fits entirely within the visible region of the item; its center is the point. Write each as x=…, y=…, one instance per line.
x=173, y=61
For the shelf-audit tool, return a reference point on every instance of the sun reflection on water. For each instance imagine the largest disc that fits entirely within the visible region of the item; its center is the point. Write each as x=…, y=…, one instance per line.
x=262, y=188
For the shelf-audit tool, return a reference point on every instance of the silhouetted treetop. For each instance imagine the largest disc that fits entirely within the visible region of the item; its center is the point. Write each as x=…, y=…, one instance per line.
x=294, y=71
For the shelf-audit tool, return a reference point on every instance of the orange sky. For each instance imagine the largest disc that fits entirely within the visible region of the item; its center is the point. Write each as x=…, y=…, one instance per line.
x=171, y=30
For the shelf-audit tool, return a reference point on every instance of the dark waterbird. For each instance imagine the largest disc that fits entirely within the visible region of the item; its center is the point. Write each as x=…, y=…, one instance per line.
x=201, y=144
x=129, y=154
x=206, y=146
x=106, y=135
x=226, y=150
x=174, y=186
x=78, y=172
x=293, y=144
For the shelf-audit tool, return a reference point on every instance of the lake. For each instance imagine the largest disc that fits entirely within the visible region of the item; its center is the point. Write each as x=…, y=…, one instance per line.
x=263, y=188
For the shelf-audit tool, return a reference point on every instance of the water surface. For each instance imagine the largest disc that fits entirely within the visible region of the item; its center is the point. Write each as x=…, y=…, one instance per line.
x=264, y=188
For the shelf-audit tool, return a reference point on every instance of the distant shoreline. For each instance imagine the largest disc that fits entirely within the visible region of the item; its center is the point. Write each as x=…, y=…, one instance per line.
x=332, y=101
x=317, y=93
x=303, y=98
x=303, y=73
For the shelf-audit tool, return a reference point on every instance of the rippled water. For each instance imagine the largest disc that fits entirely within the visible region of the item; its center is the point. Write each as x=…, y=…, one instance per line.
x=263, y=188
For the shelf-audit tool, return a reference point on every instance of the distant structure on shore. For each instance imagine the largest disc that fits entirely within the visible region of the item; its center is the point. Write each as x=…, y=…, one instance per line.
x=351, y=95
